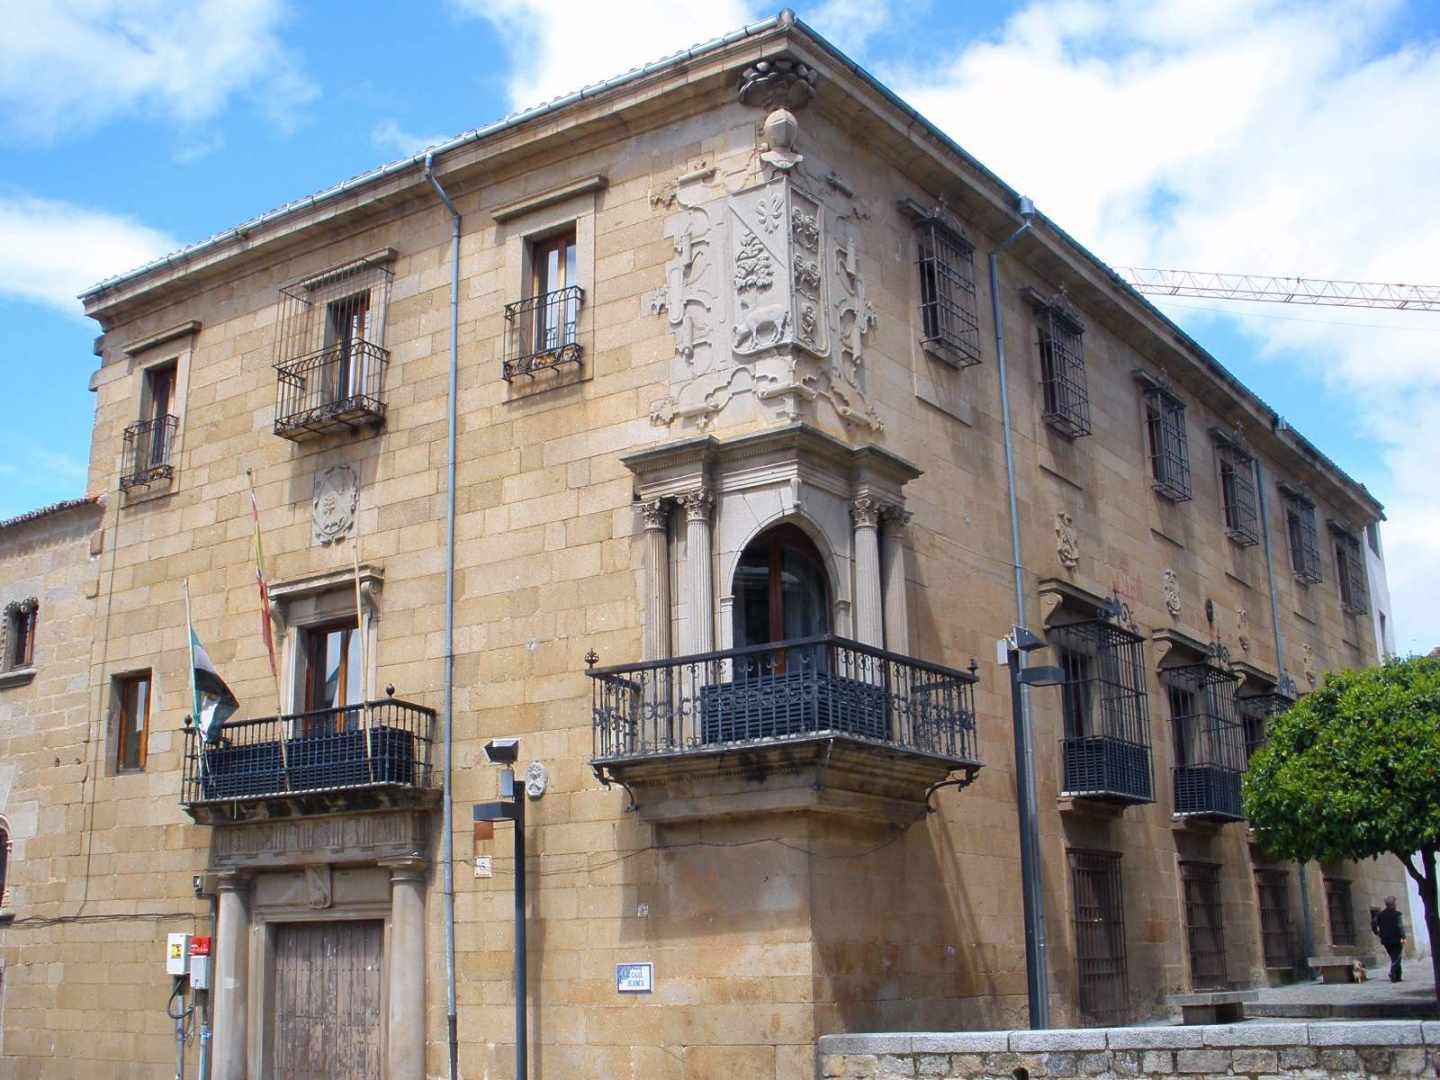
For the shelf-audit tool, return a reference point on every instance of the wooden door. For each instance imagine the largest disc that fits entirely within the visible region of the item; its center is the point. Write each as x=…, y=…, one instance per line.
x=327, y=999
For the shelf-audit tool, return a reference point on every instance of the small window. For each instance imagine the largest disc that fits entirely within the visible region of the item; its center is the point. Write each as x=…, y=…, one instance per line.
x=1300, y=531
x=1099, y=913
x=544, y=327
x=1372, y=536
x=348, y=372
x=1350, y=571
x=949, y=326
x=132, y=714
x=1237, y=492
x=1204, y=924
x=1341, y=909
x=19, y=634
x=330, y=678
x=1061, y=340
x=1169, y=451
x=1272, y=888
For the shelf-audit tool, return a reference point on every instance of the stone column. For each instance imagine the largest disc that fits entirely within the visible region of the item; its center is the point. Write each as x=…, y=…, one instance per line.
x=699, y=591
x=230, y=995
x=892, y=567
x=406, y=1025
x=869, y=614
x=655, y=516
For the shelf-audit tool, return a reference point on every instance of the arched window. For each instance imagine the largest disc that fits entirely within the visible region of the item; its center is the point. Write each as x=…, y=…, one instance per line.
x=781, y=589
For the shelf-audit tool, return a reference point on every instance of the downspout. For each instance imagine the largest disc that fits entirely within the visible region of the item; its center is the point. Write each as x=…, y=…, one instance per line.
x=1036, y=959
x=1307, y=922
x=447, y=843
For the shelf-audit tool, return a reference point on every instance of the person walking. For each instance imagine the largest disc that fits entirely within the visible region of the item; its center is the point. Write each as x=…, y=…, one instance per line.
x=1389, y=927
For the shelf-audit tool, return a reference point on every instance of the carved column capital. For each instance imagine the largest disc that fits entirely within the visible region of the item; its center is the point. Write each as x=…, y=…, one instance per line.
x=865, y=511
x=896, y=519
x=654, y=513
x=411, y=868
x=697, y=504
x=234, y=881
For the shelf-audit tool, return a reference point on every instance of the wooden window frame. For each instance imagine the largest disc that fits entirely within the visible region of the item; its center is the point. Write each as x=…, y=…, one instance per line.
x=123, y=716
x=21, y=618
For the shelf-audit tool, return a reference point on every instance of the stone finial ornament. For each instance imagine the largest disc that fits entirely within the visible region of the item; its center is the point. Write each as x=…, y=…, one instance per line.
x=337, y=493
x=1170, y=588
x=1067, y=542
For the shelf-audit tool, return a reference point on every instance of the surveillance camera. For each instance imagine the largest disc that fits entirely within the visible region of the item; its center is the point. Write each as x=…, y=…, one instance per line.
x=503, y=751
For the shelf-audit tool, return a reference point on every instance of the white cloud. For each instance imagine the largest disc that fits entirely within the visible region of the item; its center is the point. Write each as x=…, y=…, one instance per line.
x=388, y=135
x=1251, y=135
x=68, y=65
x=50, y=250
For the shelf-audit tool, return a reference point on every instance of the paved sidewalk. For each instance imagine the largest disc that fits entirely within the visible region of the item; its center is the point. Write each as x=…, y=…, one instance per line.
x=1378, y=998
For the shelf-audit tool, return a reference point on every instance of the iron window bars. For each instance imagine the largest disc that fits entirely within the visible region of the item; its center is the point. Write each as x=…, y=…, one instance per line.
x=1237, y=489
x=1301, y=533
x=1340, y=907
x=949, y=325
x=1209, y=741
x=322, y=751
x=1099, y=912
x=1061, y=340
x=1204, y=924
x=1272, y=891
x=148, y=452
x=1350, y=570
x=1169, y=450
x=1106, y=742
x=785, y=690
x=542, y=332
x=1256, y=710
x=330, y=363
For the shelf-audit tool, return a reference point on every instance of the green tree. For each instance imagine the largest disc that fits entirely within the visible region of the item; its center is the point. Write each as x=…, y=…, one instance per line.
x=1352, y=771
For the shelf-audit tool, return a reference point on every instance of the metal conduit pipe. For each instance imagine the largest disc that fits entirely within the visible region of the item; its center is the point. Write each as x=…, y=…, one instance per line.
x=447, y=843
x=1036, y=960
x=1307, y=921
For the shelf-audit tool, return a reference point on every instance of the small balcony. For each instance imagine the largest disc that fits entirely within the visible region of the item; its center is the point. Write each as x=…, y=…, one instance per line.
x=1106, y=768
x=368, y=757
x=1209, y=742
x=339, y=388
x=822, y=724
x=541, y=333
x=149, y=453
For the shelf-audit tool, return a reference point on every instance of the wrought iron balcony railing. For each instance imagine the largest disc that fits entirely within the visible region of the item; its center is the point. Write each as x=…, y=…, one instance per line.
x=149, y=452
x=283, y=757
x=767, y=694
x=340, y=387
x=542, y=332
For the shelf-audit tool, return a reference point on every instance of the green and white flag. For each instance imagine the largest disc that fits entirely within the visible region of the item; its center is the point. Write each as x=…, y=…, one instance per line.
x=213, y=701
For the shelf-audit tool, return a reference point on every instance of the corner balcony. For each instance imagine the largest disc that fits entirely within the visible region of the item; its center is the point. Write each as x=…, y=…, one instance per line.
x=338, y=388
x=312, y=763
x=819, y=725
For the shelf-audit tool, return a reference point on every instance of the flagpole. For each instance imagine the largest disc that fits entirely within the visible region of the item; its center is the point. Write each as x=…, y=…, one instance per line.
x=194, y=691
x=266, y=633
x=364, y=667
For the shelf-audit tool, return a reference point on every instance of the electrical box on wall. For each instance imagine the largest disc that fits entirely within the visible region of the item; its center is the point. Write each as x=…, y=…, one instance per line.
x=177, y=954
x=200, y=963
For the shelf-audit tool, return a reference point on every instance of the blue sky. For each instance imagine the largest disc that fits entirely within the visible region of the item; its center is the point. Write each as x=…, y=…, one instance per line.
x=1256, y=135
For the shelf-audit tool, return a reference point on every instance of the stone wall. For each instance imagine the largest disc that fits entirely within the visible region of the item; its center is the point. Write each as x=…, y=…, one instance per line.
x=1381, y=1049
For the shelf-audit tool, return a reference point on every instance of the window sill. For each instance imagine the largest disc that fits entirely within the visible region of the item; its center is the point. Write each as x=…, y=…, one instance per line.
x=1242, y=540
x=16, y=676
x=1170, y=494
x=948, y=354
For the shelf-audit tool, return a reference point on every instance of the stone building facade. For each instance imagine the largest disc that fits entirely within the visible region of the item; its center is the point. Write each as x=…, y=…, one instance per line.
x=728, y=374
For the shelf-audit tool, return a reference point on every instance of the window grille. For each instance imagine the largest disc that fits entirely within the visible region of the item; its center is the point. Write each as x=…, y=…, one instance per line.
x=1169, y=451
x=1272, y=890
x=1061, y=337
x=1350, y=570
x=1106, y=739
x=1300, y=531
x=148, y=453
x=330, y=359
x=1256, y=710
x=1341, y=909
x=1209, y=741
x=1204, y=925
x=1237, y=493
x=1099, y=913
x=949, y=325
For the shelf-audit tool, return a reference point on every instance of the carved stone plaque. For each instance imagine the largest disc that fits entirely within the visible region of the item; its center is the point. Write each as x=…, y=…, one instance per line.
x=337, y=492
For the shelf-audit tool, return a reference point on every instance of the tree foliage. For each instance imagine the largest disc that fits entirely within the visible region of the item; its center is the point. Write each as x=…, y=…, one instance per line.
x=1352, y=770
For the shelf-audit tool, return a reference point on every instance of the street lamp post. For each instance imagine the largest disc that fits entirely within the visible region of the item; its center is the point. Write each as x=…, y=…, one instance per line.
x=506, y=752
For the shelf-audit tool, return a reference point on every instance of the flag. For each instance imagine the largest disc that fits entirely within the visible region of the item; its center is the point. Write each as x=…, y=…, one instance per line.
x=213, y=701
x=265, y=629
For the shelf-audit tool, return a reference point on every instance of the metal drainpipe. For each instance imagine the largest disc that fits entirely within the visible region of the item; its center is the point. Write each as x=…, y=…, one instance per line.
x=1036, y=959
x=1307, y=923
x=448, y=821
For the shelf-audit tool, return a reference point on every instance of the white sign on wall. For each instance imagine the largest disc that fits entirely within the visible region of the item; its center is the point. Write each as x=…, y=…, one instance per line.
x=634, y=978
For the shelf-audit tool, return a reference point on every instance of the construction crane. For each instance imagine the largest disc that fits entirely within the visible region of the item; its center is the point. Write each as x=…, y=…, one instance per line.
x=1282, y=290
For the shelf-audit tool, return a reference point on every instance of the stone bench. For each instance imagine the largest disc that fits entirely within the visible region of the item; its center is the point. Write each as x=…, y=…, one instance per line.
x=1212, y=1006
x=1338, y=969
